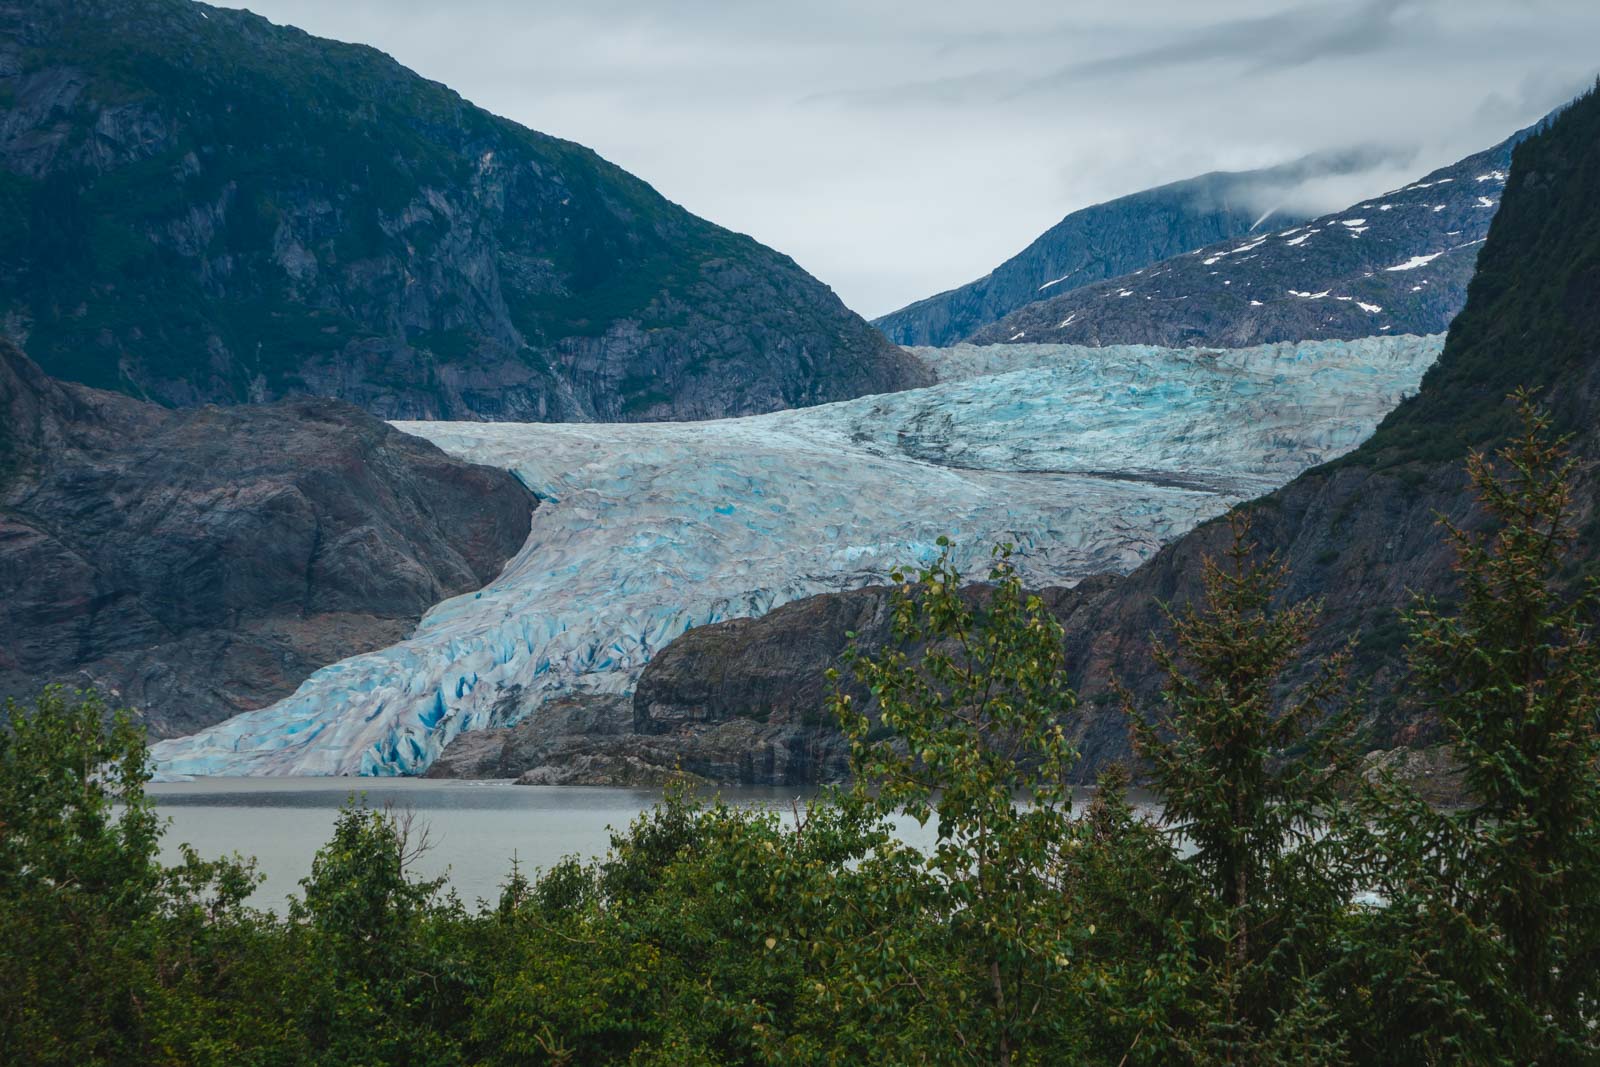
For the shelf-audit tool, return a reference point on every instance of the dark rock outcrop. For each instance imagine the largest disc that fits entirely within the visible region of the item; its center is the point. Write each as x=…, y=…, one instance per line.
x=741, y=701
x=589, y=739
x=1434, y=772
x=765, y=680
x=199, y=206
x=746, y=700
x=197, y=563
x=769, y=670
x=560, y=726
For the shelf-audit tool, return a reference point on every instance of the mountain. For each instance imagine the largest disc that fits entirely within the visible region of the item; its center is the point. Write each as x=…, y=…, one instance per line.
x=1360, y=533
x=1396, y=263
x=1117, y=237
x=199, y=206
x=198, y=563
x=1088, y=459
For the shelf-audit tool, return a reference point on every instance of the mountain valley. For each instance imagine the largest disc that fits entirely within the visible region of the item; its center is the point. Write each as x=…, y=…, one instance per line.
x=1086, y=459
x=642, y=474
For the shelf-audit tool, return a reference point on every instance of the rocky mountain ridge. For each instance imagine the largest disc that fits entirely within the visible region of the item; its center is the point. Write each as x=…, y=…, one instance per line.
x=1117, y=237
x=199, y=206
x=1396, y=263
x=198, y=563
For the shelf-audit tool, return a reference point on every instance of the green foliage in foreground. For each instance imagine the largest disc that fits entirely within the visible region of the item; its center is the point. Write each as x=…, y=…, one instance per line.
x=1250, y=777
x=1238, y=929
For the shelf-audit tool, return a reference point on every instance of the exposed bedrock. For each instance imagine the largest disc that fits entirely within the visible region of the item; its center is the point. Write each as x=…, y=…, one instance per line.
x=194, y=564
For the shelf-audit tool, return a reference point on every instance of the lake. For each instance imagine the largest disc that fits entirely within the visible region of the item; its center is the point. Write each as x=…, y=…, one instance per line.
x=475, y=827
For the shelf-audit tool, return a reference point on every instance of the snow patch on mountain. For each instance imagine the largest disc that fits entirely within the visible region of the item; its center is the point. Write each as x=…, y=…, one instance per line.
x=1416, y=261
x=1087, y=459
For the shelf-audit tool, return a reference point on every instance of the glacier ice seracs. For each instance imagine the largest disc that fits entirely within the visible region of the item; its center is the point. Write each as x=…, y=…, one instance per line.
x=1087, y=459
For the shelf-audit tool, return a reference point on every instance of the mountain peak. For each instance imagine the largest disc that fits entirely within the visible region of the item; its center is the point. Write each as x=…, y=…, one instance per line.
x=1395, y=263
x=1122, y=235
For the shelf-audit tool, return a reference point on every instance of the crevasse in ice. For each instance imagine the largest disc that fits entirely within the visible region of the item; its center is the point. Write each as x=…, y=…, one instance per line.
x=1087, y=459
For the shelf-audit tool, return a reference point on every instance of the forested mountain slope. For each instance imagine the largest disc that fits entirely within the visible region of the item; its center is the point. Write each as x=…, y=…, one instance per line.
x=197, y=205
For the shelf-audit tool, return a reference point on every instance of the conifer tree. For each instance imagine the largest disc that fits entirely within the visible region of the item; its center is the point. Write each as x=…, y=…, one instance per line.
x=1498, y=903
x=1246, y=769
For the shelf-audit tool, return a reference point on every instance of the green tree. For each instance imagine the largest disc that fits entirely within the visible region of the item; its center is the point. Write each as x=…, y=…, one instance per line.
x=710, y=934
x=384, y=954
x=1247, y=769
x=975, y=742
x=1490, y=950
x=78, y=843
x=105, y=949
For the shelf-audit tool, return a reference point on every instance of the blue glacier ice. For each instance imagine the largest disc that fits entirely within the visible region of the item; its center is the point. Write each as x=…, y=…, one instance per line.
x=1087, y=459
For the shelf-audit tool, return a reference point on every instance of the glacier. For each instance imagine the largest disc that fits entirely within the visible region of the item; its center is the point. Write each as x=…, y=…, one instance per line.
x=1085, y=459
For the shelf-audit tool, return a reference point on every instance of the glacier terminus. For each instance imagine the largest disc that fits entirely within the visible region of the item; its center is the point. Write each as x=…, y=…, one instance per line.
x=1087, y=460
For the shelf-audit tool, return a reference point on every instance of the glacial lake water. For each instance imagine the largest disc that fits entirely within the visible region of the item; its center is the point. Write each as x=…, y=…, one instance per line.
x=475, y=827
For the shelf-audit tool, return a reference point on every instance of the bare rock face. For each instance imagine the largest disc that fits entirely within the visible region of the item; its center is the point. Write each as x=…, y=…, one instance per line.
x=509, y=752
x=1434, y=772
x=198, y=563
x=769, y=670
x=590, y=739
x=605, y=767
x=746, y=700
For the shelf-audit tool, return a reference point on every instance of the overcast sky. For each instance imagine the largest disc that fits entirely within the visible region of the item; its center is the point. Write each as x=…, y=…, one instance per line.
x=898, y=149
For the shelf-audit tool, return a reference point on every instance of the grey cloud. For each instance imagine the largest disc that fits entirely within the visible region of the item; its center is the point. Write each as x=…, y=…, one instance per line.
x=1285, y=39
x=1328, y=181
x=1538, y=92
x=895, y=148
